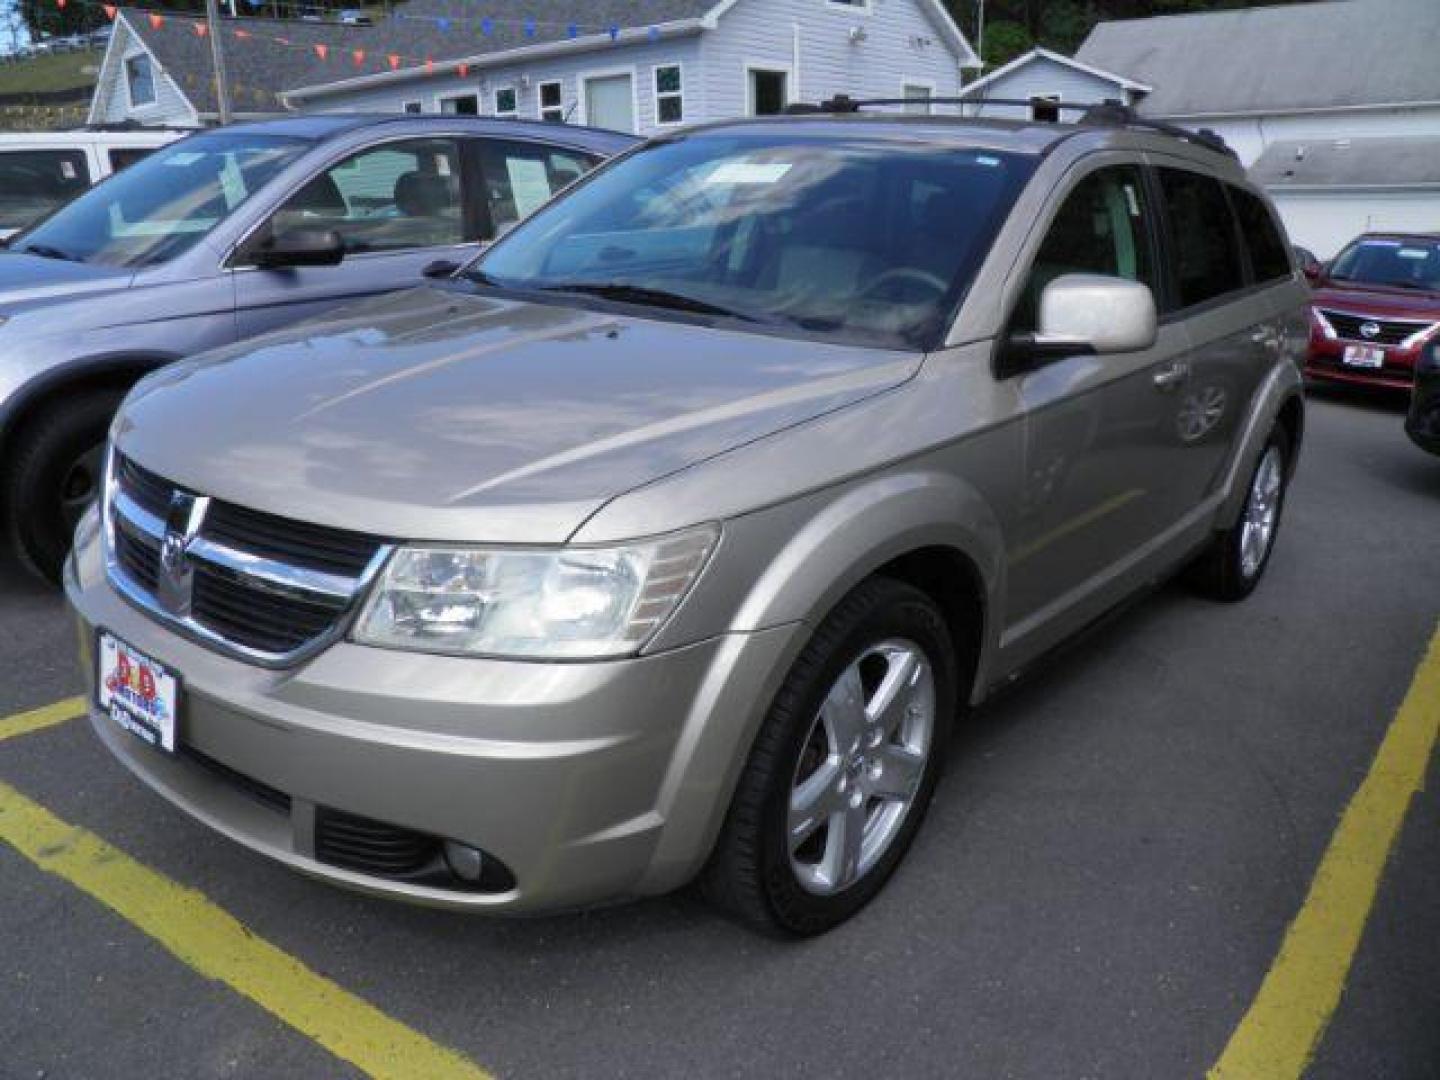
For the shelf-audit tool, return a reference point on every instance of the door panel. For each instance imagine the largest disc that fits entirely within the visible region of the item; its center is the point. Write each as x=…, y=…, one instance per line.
x=398, y=206
x=610, y=102
x=1097, y=464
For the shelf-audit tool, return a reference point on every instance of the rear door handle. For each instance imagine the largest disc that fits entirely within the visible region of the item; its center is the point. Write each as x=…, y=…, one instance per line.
x=1171, y=375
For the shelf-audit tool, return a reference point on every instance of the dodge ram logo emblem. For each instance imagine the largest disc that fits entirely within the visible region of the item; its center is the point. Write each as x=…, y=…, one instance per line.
x=175, y=579
x=1369, y=330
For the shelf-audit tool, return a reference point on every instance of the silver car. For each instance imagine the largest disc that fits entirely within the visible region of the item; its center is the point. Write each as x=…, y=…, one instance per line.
x=669, y=539
x=225, y=235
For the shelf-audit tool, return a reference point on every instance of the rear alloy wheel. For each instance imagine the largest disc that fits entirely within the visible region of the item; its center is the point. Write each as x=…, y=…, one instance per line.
x=843, y=767
x=1233, y=564
x=55, y=476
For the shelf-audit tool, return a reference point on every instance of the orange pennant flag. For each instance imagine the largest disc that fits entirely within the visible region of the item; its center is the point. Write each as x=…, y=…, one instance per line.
x=242, y=33
x=321, y=51
x=429, y=66
x=60, y=4
x=201, y=29
x=394, y=61
x=358, y=56
x=157, y=21
x=463, y=70
x=110, y=11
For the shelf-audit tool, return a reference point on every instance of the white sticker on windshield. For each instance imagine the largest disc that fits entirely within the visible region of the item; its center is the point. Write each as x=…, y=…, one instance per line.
x=67, y=170
x=747, y=172
x=986, y=159
x=185, y=157
x=1413, y=253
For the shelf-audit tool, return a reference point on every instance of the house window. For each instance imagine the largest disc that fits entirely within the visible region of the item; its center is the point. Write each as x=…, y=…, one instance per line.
x=920, y=94
x=669, y=96
x=505, y=101
x=411, y=107
x=140, y=78
x=853, y=5
x=552, y=102
x=460, y=105
x=1045, y=108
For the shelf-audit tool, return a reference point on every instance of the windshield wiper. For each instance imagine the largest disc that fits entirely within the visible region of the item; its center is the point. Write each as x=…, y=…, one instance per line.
x=643, y=294
x=45, y=251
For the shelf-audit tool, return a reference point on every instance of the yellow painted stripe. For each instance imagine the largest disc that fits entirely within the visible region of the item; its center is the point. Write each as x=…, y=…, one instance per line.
x=214, y=943
x=38, y=719
x=1287, y=1018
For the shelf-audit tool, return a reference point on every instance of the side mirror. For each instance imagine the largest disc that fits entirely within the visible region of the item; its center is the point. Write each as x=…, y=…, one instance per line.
x=1088, y=314
x=440, y=269
x=299, y=247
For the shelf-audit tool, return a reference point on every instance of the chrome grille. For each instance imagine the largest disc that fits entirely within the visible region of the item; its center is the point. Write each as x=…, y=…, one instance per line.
x=258, y=586
x=1387, y=331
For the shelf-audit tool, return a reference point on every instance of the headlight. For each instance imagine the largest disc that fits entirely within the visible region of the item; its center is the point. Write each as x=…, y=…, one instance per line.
x=532, y=604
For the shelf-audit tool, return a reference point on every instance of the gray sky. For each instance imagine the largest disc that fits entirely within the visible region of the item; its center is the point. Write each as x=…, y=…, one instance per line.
x=12, y=33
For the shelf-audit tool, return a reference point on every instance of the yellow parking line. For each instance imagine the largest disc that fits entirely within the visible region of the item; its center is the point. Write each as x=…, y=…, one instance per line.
x=37, y=719
x=214, y=943
x=1287, y=1018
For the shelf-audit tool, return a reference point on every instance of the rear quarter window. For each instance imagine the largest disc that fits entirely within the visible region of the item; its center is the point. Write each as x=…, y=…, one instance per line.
x=1204, y=244
x=1269, y=257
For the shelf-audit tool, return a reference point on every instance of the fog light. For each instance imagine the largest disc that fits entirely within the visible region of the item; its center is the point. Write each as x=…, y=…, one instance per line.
x=465, y=862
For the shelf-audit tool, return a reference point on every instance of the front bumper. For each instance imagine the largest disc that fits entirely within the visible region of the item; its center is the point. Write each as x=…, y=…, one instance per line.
x=587, y=781
x=1324, y=362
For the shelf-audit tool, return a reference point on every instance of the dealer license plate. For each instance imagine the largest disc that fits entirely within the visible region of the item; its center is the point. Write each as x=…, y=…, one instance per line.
x=1366, y=356
x=139, y=694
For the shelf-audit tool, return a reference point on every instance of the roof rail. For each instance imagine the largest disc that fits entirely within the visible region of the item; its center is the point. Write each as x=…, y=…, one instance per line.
x=1092, y=114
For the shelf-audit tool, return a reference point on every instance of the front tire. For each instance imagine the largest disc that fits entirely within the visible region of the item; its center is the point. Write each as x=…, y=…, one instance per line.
x=843, y=767
x=1231, y=567
x=54, y=475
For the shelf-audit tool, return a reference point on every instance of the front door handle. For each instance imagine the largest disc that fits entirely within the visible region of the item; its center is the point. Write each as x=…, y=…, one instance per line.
x=1171, y=375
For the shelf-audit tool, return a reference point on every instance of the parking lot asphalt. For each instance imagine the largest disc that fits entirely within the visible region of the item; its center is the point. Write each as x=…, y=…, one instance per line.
x=1106, y=876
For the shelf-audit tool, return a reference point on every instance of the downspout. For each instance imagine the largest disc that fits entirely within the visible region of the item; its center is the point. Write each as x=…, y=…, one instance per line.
x=795, y=94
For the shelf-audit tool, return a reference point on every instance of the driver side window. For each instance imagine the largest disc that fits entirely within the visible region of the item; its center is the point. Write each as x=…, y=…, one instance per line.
x=388, y=198
x=1101, y=229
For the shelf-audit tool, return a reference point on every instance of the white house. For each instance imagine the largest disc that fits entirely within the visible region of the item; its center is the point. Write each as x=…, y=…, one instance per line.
x=632, y=65
x=1048, y=81
x=1343, y=69
x=1331, y=190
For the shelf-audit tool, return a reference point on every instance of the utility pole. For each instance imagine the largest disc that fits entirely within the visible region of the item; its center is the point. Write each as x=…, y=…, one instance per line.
x=217, y=53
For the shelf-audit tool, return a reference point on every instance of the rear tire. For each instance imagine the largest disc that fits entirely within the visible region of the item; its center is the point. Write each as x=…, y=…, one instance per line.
x=53, y=475
x=843, y=767
x=1235, y=561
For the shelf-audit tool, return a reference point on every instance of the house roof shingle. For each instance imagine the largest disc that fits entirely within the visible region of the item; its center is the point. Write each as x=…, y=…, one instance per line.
x=1298, y=56
x=261, y=68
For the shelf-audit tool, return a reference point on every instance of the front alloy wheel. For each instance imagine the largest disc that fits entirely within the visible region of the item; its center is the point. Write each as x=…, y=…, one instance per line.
x=843, y=766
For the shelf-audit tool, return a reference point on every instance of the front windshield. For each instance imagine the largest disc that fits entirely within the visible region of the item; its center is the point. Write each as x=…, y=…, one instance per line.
x=1405, y=264
x=163, y=205
x=862, y=238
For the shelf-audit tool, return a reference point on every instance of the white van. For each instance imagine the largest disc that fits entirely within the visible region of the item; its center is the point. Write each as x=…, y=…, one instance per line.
x=41, y=170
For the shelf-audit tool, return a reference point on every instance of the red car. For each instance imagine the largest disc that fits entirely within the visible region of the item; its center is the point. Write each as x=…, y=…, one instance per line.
x=1375, y=307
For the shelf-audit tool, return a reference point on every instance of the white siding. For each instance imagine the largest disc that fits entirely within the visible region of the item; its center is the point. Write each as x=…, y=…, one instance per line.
x=111, y=103
x=639, y=59
x=901, y=45
x=1251, y=135
x=1325, y=221
x=1044, y=76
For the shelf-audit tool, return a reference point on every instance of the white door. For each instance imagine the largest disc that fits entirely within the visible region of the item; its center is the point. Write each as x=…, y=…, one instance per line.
x=610, y=103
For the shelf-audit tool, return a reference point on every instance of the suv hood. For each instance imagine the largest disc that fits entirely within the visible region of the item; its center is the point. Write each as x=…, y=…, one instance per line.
x=1382, y=300
x=441, y=415
x=25, y=279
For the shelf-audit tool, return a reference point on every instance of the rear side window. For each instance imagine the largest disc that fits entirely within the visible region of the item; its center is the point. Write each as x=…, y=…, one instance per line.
x=1203, y=241
x=122, y=157
x=1268, y=256
x=1101, y=228
x=34, y=182
x=520, y=178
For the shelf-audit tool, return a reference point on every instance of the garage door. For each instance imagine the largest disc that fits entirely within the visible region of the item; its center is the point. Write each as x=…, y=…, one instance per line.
x=610, y=102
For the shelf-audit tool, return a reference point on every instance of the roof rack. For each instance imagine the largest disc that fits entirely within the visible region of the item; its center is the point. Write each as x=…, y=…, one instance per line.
x=1092, y=114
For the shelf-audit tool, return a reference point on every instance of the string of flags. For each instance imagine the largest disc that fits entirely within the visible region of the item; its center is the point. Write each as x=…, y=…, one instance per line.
x=484, y=25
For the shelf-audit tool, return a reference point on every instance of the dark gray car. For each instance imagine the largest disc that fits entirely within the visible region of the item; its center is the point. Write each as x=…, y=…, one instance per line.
x=225, y=235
